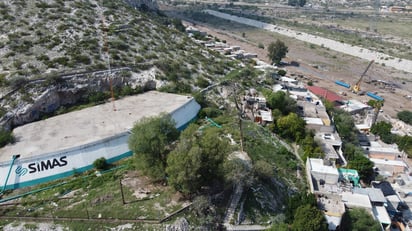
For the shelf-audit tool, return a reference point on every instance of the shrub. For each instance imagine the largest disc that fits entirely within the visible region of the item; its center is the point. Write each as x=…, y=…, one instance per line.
x=211, y=112
x=98, y=97
x=3, y=80
x=18, y=82
x=405, y=116
x=100, y=164
x=202, y=82
x=6, y=137
x=282, y=72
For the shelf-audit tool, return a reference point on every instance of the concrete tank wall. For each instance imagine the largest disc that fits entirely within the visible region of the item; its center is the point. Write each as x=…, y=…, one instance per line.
x=51, y=166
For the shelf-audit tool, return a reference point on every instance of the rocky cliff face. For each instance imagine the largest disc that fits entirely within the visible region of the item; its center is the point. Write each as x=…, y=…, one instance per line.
x=150, y=4
x=36, y=99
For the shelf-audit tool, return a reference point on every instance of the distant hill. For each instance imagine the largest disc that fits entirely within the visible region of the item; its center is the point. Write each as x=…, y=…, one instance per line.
x=54, y=53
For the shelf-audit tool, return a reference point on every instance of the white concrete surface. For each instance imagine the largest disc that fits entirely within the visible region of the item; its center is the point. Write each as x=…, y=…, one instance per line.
x=91, y=124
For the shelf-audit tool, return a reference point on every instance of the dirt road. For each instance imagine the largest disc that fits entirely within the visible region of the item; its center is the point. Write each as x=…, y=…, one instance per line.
x=322, y=65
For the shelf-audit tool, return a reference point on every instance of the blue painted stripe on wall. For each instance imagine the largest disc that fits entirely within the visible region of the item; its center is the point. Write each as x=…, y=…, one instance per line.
x=65, y=174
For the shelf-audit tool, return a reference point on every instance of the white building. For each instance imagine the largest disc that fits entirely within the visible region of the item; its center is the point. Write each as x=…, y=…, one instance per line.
x=320, y=175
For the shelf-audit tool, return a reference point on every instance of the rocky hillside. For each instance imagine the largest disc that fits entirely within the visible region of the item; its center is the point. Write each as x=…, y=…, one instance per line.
x=55, y=53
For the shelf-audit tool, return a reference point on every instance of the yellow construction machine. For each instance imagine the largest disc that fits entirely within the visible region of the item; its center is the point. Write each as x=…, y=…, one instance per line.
x=356, y=87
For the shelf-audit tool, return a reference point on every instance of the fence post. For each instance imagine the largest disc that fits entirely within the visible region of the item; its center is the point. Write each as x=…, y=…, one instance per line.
x=121, y=191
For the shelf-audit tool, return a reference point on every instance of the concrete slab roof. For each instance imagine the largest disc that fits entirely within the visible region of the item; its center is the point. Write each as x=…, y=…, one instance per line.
x=89, y=125
x=384, y=148
x=333, y=222
x=318, y=166
x=388, y=162
x=356, y=200
x=375, y=194
x=381, y=214
x=353, y=105
x=287, y=79
x=329, y=151
x=311, y=120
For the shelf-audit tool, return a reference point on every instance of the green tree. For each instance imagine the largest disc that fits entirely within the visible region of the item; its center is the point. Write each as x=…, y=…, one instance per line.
x=177, y=23
x=150, y=141
x=205, y=212
x=350, y=151
x=358, y=219
x=309, y=218
x=197, y=159
x=405, y=116
x=345, y=125
x=310, y=148
x=297, y=200
x=291, y=127
x=279, y=227
x=405, y=144
x=383, y=129
x=277, y=51
x=237, y=171
x=375, y=103
x=281, y=101
x=364, y=167
x=184, y=162
x=263, y=169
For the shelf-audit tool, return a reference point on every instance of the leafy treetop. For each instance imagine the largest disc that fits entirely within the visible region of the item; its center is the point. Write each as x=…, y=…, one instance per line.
x=150, y=141
x=276, y=51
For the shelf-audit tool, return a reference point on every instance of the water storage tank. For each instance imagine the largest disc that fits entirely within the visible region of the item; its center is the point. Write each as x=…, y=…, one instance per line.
x=343, y=84
x=376, y=97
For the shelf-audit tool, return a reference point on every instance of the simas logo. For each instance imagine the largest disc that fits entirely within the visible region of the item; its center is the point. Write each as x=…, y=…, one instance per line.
x=20, y=171
x=47, y=164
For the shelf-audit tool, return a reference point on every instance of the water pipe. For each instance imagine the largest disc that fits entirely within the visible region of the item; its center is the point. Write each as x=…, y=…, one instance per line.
x=14, y=157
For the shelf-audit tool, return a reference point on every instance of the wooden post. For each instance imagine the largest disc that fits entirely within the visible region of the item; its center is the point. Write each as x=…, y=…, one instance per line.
x=88, y=215
x=121, y=191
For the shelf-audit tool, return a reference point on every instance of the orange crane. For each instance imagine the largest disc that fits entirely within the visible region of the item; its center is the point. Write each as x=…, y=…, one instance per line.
x=356, y=88
x=106, y=50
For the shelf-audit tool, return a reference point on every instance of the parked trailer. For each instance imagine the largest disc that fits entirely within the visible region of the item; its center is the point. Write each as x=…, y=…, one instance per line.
x=374, y=96
x=343, y=84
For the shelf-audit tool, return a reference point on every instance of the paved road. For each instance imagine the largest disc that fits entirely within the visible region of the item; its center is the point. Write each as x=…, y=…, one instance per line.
x=400, y=64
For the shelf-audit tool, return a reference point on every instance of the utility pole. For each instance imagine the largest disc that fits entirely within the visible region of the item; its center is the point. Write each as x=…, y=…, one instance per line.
x=240, y=114
x=106, y=50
